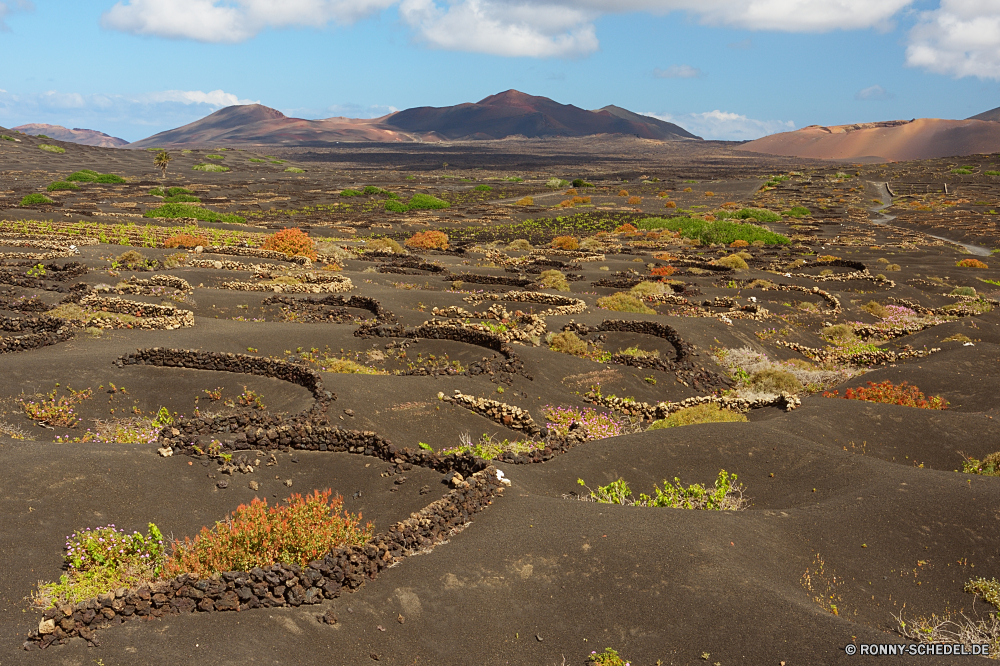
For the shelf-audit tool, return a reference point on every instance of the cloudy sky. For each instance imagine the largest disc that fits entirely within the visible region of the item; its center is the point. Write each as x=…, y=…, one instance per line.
x=725, y=69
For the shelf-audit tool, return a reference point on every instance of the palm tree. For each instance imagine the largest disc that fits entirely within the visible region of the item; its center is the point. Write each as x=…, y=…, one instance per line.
x=161, y=161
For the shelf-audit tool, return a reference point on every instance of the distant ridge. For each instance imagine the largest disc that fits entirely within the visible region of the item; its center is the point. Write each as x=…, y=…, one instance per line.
x=507, y=114
x=893, y=140
x=992, y=114
x=86, y=137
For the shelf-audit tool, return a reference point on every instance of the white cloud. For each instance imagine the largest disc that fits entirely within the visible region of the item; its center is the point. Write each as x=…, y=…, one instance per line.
x=131, y=117
x=351, y=110
x=230, y=22
x=725, y=125
x=960, y=38
x=11, y=6
x=503, y=28
x=874, y=93
x=549, y=28
x=677, y=72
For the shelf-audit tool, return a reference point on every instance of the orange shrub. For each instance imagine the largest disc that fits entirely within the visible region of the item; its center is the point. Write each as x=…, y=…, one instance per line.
x=300, y=531
x=428, y=240
x=662, y=195
x=709, y=194
x=570, y=192
x=662, y=271
x=972, y=263
x=664, y=256
x=634, y=201
x=688, y=189
x=185, y=240
x=903, y=394
x=291, y=241
x=670, y=204
x=565, y=243
x=526, y=201
x=739, y=243
x=623, y=193
x=626, y=229
x=730, y=204
x=581, y=200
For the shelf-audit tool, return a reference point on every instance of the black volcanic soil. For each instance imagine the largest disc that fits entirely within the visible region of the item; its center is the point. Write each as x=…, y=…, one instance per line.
x=873, y=490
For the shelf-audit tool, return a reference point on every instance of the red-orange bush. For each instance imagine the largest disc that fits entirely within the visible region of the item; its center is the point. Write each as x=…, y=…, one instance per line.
x=670, y=204
x=634, y=201
x=291, y=241
x=626, y=229
x=972, y=263
x=623, y=193
x=571, y=192
x=428, y=240
x=662, y=271
x=185, y=240
x=891, y=394
x=565, y=243
x=739, y=243
x=301, y=530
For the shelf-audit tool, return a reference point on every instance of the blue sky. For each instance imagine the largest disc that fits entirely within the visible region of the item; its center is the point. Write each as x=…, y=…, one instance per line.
x=728, y=69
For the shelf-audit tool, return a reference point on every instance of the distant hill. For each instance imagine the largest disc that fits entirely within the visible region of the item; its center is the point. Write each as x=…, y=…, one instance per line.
x=893, y=140
x=85, y=136
x=992, y=114
x=509, y=114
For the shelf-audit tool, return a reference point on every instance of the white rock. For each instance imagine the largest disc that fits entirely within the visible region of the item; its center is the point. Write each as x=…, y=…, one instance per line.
x=46, y=626
x=166, y=451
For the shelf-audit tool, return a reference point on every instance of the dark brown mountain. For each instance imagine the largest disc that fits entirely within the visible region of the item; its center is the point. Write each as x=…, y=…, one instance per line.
x=508, y=114
x=514, y=113
x=992, y=114
x=86, y=137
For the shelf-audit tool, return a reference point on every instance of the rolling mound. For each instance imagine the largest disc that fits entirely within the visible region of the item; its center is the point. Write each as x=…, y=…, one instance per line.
x=507, y=114
x=992, y=114
x=86, y=137
x=895, y=140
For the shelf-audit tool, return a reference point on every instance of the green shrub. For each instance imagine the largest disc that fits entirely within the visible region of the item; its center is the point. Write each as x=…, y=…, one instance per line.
x=213, y=168
x=385, y=244
x=215, y=157
x=348, y=192
x=8, y=138
x=705, y=413
x=157, y=192
x=988, y=466
x=607, y=658
x=567, y=342
x=174, y=191
x=875, y=308
x=726, y=495
x=580, y=182
x=426, y=202
x=294, y=170
x=989, y=590
x=482, y=188
x=720, y=231
x=734, y=261
x=840, y=333
x=649, y=289
x=797, y=211
x=89, y=176
x=553, y=279
x=257, y=159
x=624, y=302
x=168, y=210
x=964, y=291
x=520, y=244
x=759, y=214
x=182, y=198
x=51, y=149
x=62, y=185
x=103, y=560
x=773, y=380
x=394, y=206
x=988, y=173
x=110, y=178
x=963, y=171
x=301, y=530
x=35, y=199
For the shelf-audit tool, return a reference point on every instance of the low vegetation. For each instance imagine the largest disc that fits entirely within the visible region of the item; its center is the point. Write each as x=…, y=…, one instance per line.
x=428, y=240
x=553, y=279
x=725, y=495
x=971, y=263
x=292, y=241
x=705, y=413
x=89, y=176
x=218, y=168
x=624, y=302
x=172, y=210
x=719, y=231
x=489, y=449
x=888, y=393
x=988, y=466
x=49, y=148
x=60, y=185
x=35, y=199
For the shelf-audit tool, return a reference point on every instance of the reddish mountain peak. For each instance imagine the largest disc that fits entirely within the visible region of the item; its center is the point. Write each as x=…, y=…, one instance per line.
x=516, y=98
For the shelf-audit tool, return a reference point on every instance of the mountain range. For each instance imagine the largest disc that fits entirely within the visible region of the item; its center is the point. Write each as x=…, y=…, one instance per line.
x=76, y=135
x=508, y=114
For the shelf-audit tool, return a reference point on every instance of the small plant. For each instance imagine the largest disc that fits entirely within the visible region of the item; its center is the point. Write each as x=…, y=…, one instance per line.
x=250, y=398
x=89, y=176
x=294, y=170
x=426, y=202
x=526, y=201
x=971, y=263
x=623, y=193
x=291, y=241
x=212, y=168
x=425, y=446
x=132, y=260
x=520, y=244
x=634, y=201
x=170, y=210
x=186, y=241
x=56, y=410
x=705, y=413
x=773, y=380
x=428, y=240
x=482, y=188
x=297, y=532
x=797, y=211
x=607, y=658
x=102, y=560
x=60, y=185
x=215, y=157
x=49, y=148
x=553, y=279
x=385, y=244
x=964, y=291
x=579, y=182
x=568, y=342
x=988, y=466
x=726, y=495
x=624, y=302
x=35, y=199
x=734, y=261
x=886, y=392
x=36, y=271
x=566, y=243
x=719, y=231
